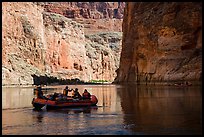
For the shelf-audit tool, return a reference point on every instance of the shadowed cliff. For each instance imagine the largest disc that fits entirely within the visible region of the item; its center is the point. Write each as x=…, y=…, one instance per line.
x=162, y=42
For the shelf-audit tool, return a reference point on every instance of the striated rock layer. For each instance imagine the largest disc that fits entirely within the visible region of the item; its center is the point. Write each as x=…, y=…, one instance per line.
x=22, y=42
x=161, y=42
x=103, y=52
x=95, y=16
x=36, y=42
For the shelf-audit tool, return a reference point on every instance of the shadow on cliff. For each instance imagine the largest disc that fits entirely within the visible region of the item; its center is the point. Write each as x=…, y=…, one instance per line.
x=50, y=80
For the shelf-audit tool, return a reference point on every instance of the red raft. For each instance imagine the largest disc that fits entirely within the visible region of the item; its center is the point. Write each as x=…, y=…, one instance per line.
x=39, y=103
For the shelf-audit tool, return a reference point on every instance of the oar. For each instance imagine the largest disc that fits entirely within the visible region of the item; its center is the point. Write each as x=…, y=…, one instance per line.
x=44, y=107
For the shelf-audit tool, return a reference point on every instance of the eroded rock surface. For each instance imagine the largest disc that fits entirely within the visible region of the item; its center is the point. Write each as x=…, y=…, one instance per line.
x=103, y=52
x=41, y=43
x=95, y=16
x=161, y=42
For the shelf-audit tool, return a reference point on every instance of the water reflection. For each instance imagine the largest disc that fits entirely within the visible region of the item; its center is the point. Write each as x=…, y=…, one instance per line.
x=40, y=116
x=162, y=110
x=16, y=97
x=19, y=97
x=69, y=110
x=121, y=109
x=107, y=97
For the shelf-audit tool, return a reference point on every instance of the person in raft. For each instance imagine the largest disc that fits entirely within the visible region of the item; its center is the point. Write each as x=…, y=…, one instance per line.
x=66, y=90
x=86, y=95
x=76, y=94
x=39, y=92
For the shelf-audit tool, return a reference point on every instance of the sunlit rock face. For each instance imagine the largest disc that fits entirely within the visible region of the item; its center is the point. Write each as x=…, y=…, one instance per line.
x=161, y=42
x=37, y=42
x=22, y=42
x=65, y=54
x=95, y=16
x=103, y=52
x=94, y=10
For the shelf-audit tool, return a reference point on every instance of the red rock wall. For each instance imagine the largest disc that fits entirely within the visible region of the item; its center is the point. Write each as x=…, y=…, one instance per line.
x=95, y=16
x=94, y=10
x=22, y=42
x=161, y=42
x=40, y=43
x=36, y=42
x=65, y=46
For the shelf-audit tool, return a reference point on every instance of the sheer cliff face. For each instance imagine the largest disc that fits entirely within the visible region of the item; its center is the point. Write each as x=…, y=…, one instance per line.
x=161, y=42
x=44, y=43
x=88, y=10
x=22, y=42
x=95, y=16
x=64, y=48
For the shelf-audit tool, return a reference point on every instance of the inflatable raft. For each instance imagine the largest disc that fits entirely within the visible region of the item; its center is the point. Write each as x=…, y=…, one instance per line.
x=39, y=103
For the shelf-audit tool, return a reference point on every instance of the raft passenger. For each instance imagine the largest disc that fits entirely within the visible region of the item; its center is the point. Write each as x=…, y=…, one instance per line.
x=39, y=93
x=76, y=94
x=66, y=90
x=86, y=95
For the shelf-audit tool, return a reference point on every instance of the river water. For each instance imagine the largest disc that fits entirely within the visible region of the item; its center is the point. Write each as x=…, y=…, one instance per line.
x=121, y=110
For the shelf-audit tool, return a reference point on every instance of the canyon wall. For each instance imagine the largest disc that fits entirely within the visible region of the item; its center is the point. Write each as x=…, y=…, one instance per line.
x=103, y=52
x=162, y=42
x=22, y=42
x=42, y=43
x=95, y=16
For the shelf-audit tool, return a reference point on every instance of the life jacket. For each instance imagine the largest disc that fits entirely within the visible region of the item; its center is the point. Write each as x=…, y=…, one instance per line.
x=65, y=92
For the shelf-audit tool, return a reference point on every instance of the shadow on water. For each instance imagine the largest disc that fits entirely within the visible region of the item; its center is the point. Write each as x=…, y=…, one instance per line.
x=162, y=110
